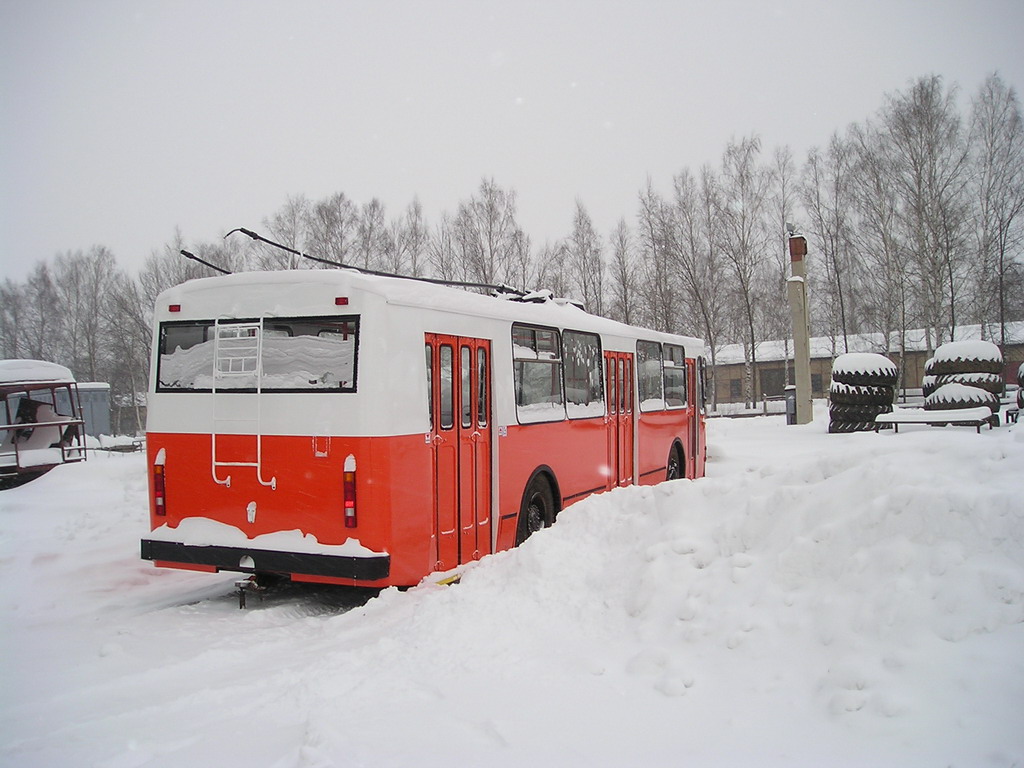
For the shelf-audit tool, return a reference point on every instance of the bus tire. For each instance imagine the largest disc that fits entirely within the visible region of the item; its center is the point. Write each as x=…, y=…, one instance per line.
x=537, y=510
x=674, y=468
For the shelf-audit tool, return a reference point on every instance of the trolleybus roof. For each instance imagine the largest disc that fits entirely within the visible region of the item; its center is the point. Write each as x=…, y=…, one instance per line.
x=393, y=290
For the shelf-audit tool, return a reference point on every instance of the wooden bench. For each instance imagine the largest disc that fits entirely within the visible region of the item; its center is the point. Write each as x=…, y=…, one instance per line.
x=962, y=417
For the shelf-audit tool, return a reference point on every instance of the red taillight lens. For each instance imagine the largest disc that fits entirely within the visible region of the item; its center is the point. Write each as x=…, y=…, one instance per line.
x=350, y=499
x=159, y=491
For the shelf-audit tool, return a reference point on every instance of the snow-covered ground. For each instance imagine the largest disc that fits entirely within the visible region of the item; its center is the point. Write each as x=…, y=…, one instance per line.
x=817, y=600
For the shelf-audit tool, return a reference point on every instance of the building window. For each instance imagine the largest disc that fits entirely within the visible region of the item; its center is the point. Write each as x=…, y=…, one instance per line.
x=735, y=389
x=772, y=382
x=816, y=384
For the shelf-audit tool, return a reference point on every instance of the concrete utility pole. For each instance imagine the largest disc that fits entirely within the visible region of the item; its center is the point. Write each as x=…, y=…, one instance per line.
x=797, y=287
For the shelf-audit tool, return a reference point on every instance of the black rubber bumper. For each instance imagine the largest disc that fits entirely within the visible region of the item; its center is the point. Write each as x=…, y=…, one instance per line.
x=303, y=563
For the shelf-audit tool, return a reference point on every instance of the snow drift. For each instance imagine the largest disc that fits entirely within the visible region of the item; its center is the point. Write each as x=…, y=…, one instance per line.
x=816, y=600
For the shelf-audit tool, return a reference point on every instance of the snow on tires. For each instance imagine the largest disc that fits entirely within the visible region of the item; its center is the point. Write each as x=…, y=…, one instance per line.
x=863, y=385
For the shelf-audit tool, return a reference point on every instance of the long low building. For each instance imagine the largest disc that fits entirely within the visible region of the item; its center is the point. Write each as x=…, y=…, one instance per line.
x=774, y=367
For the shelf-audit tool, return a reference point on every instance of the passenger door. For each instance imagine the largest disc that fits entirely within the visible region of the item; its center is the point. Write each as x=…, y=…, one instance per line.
x=693, y=419
x=459, y=373
x=619, y=403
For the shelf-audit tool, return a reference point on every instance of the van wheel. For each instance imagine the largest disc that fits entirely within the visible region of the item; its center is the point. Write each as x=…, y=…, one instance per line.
x=537, y=510
x=675, y=464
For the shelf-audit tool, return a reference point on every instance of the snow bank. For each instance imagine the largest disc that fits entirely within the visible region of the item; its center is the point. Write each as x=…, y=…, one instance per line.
x=811, y=602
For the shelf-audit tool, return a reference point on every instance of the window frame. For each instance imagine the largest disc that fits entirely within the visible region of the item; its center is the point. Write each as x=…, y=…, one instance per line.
x=269, y=325
x=446, y=389
x=680, y=366
x=640, y=378
x=599, y=360
x=519, y=363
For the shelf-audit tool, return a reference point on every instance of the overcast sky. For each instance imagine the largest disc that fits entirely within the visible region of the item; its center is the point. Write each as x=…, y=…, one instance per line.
x=120, y=121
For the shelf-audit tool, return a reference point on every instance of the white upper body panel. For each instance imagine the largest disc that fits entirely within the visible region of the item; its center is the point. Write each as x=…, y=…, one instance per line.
x=394, y=314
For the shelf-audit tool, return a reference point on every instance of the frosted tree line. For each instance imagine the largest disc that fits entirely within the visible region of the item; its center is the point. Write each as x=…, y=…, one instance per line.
x=914, y=219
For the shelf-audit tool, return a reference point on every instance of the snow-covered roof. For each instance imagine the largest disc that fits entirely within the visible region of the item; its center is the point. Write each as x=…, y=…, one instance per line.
x=20, y=371
x=302, y=291
x=828, y=346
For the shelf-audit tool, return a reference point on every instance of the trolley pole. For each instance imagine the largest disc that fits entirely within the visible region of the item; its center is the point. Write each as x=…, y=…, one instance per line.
x=797, y=288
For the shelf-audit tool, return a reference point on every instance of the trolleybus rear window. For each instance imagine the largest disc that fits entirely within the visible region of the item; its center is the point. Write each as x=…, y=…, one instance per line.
x=294, y=355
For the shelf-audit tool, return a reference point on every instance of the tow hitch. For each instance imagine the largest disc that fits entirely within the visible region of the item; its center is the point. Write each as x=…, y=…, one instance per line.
x=250, y=584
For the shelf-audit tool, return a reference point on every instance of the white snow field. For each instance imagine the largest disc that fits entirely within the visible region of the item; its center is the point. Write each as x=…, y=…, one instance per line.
x=817, y=600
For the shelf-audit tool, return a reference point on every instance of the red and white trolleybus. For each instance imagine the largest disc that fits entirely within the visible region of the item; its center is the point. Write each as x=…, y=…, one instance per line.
x=332, y=426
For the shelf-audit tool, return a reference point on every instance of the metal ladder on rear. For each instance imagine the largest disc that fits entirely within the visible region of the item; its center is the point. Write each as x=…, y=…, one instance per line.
x=237, y=354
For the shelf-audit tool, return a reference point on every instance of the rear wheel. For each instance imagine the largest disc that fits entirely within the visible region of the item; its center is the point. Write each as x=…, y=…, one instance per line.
x=674, y=471
x=537, y=510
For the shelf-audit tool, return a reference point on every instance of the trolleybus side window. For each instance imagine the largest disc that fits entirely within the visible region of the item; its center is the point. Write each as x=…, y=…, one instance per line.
x=702, y=382
x=584, y=384
x=447, y=392
x=296, y=354
x=467, y=390
x=481, y=410
x=430, y=383
x=537, y=365
x=675, y=376
x=648, y=365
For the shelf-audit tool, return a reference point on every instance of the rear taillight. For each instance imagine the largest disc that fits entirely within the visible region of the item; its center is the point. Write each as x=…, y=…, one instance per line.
x=159, y=490
x=350, y=491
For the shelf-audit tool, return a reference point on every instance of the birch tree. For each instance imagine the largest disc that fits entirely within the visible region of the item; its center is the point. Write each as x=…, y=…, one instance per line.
x=877, y=233
x=697, y=258
x=928, y=164
x=826, y=196
x=488, y=236
x=585, y=259
x=744, y=239
x=333, y=228
x=997, y=141
x=288, y=226
x=623, y=275
x=660, y=280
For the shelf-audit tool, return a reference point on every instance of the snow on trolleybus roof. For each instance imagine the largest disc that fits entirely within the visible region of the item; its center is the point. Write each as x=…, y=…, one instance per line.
x=298, y=292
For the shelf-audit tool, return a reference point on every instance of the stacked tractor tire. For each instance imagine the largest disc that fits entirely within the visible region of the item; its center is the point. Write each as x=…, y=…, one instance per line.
x=863, y=386
x=964, y=374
